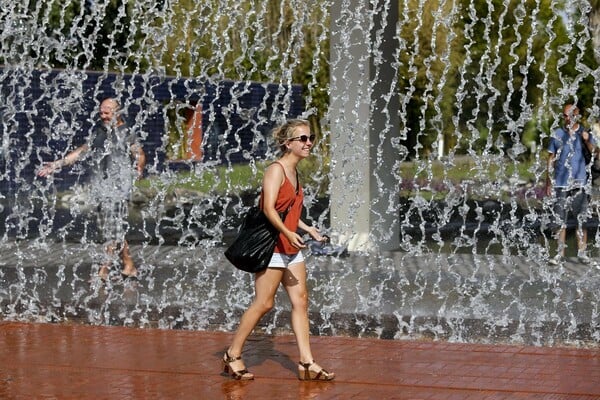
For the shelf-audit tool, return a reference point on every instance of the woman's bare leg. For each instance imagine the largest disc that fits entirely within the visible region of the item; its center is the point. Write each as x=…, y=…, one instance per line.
x=294, y=281
x=265, y=287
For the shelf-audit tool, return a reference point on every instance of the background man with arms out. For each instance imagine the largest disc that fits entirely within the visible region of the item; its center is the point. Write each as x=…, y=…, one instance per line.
x=116, y=159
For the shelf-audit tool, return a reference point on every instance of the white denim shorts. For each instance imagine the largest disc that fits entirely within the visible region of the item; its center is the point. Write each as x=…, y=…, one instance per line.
x=279, y=260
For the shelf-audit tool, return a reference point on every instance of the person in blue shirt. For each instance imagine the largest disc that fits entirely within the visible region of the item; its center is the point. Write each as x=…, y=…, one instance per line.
x=567, y=178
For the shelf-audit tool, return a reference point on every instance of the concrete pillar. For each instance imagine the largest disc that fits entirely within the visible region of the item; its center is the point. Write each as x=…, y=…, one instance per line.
x=363, y=114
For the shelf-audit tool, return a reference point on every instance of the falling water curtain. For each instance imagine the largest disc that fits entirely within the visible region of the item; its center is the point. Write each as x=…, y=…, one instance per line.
x=458, y=101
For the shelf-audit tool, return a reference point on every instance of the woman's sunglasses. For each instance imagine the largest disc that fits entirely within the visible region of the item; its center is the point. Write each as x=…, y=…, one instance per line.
x=303, y=138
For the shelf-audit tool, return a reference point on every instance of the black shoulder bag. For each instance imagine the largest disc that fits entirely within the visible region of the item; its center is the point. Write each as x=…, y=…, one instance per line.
x=253, y=247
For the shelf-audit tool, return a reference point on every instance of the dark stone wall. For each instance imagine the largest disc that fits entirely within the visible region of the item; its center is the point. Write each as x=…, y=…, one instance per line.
x=45, y=113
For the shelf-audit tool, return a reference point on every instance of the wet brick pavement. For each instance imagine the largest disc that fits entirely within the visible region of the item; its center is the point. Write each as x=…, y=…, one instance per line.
x=70, y=361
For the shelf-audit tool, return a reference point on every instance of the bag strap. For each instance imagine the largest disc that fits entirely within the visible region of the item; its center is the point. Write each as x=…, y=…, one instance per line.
x=587, y=154
x=297, y=178
x=283, y=214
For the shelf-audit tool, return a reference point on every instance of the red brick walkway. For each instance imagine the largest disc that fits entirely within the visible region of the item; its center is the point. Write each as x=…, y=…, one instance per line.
x=44, y=361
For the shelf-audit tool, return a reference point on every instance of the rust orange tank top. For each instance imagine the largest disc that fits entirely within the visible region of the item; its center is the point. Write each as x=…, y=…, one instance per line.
x=291, y=200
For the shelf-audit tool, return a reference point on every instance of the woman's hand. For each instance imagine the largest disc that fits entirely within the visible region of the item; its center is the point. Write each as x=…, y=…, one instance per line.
x=295, y=240
x=315, y=234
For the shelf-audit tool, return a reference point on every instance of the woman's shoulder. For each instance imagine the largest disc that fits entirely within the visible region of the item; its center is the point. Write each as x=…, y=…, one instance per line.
x=277, y=165
x=275, y=171
x=275, y=168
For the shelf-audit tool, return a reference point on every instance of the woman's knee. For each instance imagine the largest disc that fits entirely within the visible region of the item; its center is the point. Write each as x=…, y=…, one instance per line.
x=264, y=306
x=300, y=301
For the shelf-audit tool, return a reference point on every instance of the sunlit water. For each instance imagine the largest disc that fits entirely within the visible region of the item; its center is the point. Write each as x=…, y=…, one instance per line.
x=465, y=270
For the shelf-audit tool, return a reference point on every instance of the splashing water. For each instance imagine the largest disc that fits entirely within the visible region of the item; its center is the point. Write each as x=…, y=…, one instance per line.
x=467, y=94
